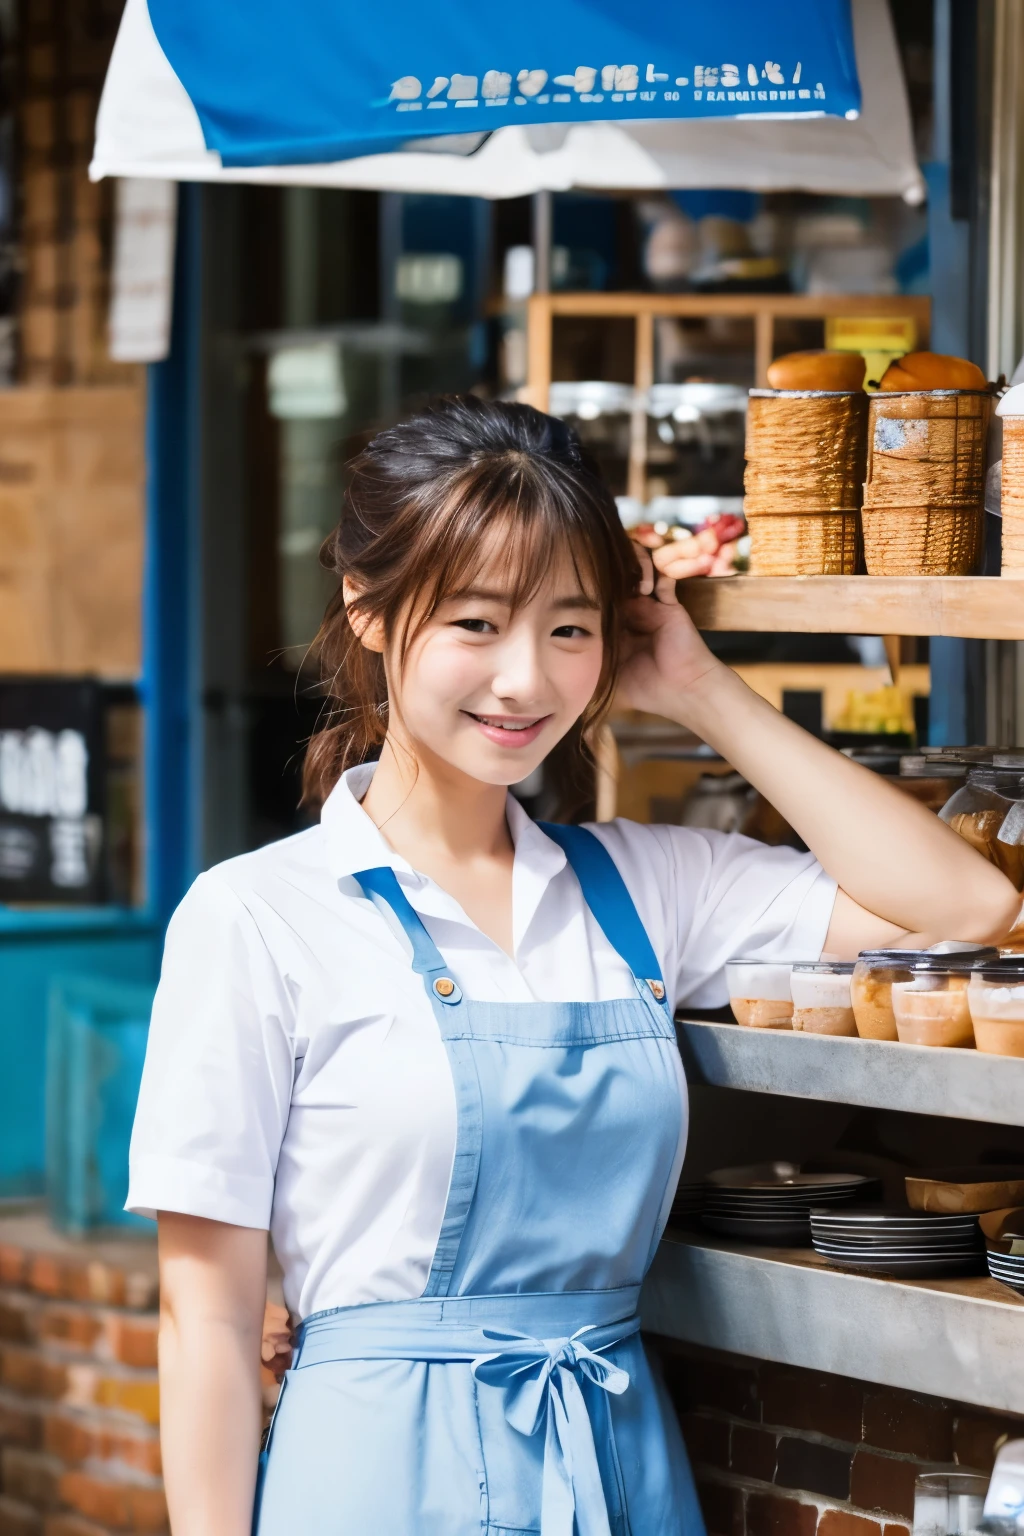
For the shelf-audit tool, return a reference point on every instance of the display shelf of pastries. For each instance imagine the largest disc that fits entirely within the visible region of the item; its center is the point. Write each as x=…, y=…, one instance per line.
x=970, y=607
x=791, y=1306
x=924, y=1080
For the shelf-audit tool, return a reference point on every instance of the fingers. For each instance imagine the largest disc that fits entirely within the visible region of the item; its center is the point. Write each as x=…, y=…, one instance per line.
x=647, y=571
x=680, y=561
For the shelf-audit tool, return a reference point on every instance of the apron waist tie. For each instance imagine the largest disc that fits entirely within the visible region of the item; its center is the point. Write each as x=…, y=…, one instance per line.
x=527, y=1346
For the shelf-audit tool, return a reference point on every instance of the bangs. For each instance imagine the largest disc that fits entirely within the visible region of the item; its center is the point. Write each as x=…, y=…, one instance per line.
x=515, y=528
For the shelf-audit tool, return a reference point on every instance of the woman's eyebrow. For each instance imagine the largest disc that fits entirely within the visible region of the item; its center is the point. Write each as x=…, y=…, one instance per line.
x=577, y=600
x=487, y=595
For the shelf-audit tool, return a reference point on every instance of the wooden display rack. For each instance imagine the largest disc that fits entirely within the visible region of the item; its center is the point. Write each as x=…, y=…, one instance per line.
x=764, y=309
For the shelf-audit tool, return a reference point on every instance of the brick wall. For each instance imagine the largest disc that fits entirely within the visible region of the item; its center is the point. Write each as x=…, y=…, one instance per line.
x=79, y=1446
x=777, y=1451
x=780, y=1451
x=63, y=47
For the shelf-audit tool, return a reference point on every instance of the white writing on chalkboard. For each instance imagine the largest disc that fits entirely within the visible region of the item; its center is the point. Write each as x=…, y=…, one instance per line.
x=44, y=773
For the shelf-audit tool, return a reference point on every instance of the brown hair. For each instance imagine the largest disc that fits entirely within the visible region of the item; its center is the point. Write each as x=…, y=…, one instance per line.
x=420, y=499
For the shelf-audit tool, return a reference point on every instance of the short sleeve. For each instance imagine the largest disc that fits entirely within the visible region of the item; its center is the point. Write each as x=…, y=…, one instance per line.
x=706, y=896
x=216, y=1085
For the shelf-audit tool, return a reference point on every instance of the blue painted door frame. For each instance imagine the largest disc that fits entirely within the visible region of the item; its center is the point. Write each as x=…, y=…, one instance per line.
x=171, y=684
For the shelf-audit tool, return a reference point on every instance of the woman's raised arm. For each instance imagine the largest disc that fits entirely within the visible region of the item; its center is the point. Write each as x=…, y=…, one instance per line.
x=901, y=871
x=213, y=1288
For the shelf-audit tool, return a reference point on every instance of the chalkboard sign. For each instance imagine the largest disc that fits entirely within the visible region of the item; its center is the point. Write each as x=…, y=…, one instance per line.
x=51, y=791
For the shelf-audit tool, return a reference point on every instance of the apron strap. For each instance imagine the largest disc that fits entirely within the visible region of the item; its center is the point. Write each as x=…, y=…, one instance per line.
x=605, y=893
x=427, y=960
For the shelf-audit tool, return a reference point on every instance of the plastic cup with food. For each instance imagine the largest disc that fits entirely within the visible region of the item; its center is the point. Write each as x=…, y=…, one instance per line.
x=759, y=994
x=871, y=990
x=931, y=1008
x=995, y=996
x=822, y=1002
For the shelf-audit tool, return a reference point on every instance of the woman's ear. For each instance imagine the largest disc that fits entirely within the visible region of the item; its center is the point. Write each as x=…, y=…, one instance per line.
x=366, y=628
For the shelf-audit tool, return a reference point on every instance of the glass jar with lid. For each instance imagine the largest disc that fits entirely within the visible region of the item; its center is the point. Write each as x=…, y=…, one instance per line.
x=600, y=414
x=822, y=1004
x=695, y=438
x=988, y=813
x=932, y=780
x=759, y=993
x=995, y=996
x=931, y=1006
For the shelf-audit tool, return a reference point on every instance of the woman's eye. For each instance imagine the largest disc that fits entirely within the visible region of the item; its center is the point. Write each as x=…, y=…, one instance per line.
x=570, y=632
x=476, y=626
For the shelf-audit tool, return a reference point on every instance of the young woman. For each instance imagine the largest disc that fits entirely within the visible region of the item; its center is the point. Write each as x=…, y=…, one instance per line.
x=429, y=1043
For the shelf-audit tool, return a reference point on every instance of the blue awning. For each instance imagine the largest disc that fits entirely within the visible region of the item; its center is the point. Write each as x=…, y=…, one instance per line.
x=292, y=82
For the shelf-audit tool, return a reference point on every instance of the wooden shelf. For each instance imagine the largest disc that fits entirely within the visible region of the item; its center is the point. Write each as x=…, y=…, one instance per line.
x=789, y=1305
x=917, y=1079
x=972, y=607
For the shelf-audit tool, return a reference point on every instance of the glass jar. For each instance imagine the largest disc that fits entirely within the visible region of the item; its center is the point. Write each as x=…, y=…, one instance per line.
x=931, y=1006
x=949, y=1503
x=988, y=813
x=932, y=780
x=695, y=438
x=759, y=994
x=600, y=414
x=822, y=1004
x=995, y=997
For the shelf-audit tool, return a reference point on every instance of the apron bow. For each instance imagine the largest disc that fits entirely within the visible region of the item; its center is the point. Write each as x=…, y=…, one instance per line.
x=539, y=1378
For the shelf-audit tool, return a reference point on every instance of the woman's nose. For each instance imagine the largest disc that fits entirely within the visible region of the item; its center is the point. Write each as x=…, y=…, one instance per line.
x=519, y=674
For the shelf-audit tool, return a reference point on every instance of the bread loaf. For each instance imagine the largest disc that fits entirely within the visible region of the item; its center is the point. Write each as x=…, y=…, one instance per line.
x=932, y=370
x=817, y=370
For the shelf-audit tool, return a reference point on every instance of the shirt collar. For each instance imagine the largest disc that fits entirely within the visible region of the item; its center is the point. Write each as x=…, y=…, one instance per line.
x=355, y=843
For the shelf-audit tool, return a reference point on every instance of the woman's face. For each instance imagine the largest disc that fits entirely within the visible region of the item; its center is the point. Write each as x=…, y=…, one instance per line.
x=490, y=691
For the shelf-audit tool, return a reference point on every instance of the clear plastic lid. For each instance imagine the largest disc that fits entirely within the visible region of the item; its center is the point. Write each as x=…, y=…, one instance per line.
x=1004, y=781
x=825, y=967
x=915, y=765
x=590, y=398
x=1002, y=968
x=889, y=959
x=959, y=963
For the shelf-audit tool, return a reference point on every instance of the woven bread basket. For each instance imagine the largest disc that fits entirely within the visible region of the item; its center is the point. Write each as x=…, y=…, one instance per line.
x=806, y=451
x=1012, y=502
x=924, y=497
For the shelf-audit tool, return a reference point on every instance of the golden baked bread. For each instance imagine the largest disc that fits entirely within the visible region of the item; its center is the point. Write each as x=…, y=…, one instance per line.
x=817, y=370
x=932, y=370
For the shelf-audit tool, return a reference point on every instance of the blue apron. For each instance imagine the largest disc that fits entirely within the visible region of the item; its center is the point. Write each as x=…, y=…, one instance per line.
x=514, y=1398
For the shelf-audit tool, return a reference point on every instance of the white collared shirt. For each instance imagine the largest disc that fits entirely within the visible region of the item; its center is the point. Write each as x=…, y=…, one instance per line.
x=295, y=1077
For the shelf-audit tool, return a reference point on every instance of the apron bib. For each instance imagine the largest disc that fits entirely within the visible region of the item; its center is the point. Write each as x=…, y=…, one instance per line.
x=514, y=1397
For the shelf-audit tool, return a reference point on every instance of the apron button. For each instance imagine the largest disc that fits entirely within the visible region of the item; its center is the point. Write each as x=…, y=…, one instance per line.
x=657, y=990
x=444, y=986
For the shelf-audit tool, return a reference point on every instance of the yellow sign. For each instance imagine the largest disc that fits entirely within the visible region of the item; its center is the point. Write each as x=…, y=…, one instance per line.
x=880, y=338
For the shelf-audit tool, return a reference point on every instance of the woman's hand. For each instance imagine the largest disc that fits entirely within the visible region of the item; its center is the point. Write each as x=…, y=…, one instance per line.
x=278, y=1341
x=664, y=653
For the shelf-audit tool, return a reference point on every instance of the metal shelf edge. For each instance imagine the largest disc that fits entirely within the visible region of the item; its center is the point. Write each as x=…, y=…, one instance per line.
x=957, y=1084
x=898, y=1334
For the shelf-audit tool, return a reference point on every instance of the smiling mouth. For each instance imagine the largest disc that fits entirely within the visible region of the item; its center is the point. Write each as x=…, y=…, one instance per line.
x=506, y=722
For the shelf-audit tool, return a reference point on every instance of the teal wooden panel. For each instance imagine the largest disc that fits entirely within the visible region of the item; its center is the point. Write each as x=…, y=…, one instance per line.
x=96, y=1045
x=29, y=961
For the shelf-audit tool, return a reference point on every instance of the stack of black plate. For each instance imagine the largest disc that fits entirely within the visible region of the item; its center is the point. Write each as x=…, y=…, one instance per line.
x=1004, y=1232
x=771, y=1202
x=688, y=1202
x=895, y=1240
